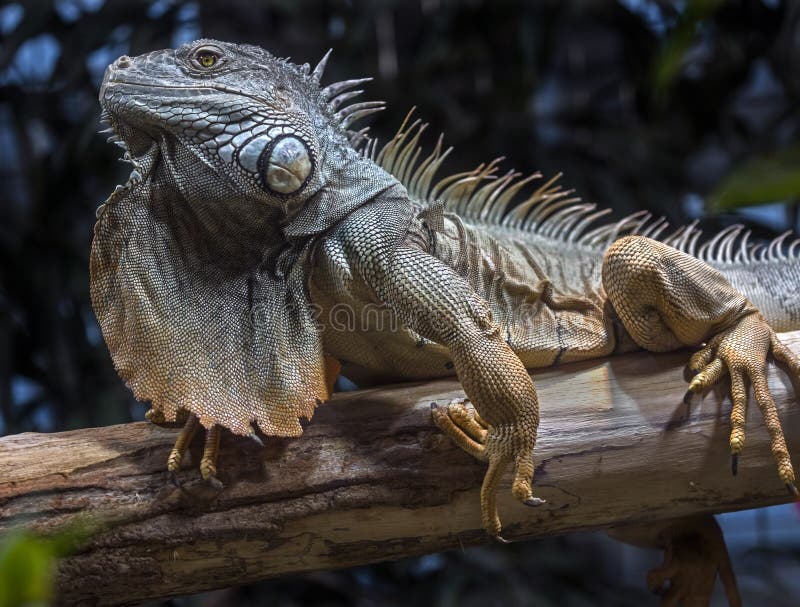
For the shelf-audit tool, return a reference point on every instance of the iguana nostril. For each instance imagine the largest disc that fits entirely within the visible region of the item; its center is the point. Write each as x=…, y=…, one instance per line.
x=123, y=62
x=287, y=166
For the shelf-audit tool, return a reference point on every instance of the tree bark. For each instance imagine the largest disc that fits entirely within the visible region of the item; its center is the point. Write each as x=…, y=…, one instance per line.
x=373, y=479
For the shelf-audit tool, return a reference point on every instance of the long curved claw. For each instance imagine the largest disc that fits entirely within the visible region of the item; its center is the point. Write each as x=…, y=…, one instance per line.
x=255, y=437
x=215, y=483
x=173, y=479
x=534, y=501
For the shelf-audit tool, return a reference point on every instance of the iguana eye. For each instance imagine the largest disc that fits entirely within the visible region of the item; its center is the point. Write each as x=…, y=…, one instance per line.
x=206, y=57
x=286, y=165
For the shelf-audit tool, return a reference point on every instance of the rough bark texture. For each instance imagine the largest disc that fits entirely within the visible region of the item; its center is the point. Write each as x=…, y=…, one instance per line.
x=373, y=479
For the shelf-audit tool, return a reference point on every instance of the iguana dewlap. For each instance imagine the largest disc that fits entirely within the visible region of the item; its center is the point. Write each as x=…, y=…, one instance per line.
x=260, y=240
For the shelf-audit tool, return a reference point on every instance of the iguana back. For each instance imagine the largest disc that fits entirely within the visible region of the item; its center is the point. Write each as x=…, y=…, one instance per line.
x=508, y=233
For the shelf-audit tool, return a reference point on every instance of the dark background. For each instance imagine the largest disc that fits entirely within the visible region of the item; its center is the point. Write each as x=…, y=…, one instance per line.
x=687, y=109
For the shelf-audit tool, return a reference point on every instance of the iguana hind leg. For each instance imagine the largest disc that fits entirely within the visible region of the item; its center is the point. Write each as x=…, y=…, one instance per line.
x=694, y=555
x=667, y=299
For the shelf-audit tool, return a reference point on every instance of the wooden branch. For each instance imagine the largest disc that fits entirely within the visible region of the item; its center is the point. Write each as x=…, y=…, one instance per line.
x=373, y=479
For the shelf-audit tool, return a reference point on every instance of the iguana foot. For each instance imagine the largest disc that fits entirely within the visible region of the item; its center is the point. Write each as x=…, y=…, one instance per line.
x=465, y=429
x=208, y=463
x=694, y=554
x=470, y=432
x=742, y=351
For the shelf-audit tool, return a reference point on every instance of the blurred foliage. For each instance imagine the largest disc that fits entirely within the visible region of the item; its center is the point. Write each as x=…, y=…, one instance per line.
x=760, y=180
x=670, y=60
x=28, y=564
x=652, y=104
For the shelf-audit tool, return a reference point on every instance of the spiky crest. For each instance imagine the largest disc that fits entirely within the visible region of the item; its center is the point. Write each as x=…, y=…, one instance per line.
x=483, y=196
x=337, y=94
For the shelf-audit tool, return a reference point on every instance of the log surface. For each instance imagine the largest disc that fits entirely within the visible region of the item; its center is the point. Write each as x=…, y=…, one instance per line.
x=373, y=479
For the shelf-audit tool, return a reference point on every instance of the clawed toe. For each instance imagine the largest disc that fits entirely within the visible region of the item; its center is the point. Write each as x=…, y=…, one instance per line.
x=461, y=427
x=208, y=463
x=182, y=443
x=155, y=416
x=470, y=422
x=534, y=501
x=500, y=539
x=470, y=432
x=742, y=353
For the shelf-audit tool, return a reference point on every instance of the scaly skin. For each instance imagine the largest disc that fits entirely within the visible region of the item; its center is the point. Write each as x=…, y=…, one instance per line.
x=255, y=215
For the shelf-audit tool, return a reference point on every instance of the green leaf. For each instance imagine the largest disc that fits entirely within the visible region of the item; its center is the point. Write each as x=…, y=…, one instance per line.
x=28, y=563
x=759, y=180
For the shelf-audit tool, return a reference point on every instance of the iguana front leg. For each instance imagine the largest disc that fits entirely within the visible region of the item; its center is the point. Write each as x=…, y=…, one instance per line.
x=191, y=425
x=436, y=302
x=667, y=299
x=208, y=463
x=433, y=300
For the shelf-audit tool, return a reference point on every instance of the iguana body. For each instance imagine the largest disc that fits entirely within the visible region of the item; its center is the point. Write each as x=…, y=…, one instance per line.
x=260, y=241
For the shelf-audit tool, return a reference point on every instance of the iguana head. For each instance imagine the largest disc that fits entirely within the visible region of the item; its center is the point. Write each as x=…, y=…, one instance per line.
x=255, y=125
x=199, y=264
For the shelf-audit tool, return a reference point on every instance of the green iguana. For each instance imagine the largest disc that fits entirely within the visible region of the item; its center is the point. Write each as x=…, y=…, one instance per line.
x=261, y=242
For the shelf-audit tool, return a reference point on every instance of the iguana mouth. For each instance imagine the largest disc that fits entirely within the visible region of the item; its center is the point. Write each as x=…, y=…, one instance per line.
x=111, y=82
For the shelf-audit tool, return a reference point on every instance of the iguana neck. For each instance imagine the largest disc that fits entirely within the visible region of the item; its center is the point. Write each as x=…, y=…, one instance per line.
x=203, y=300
